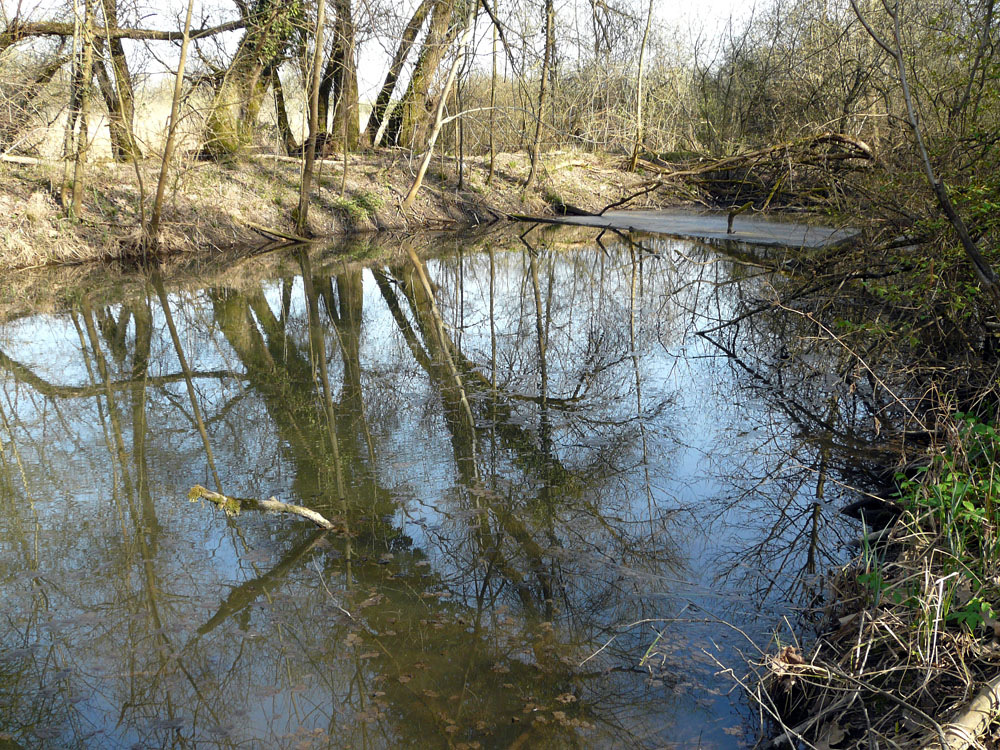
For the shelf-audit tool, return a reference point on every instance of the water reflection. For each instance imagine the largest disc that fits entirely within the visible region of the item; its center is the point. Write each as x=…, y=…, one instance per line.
x=535, y=458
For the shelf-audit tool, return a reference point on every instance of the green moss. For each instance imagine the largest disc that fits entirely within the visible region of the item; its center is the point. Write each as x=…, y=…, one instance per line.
x=369, y=201
x=357, y=208
x=349, y=209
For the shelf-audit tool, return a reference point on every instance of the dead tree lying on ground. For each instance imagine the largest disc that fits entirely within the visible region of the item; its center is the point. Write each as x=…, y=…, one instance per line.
x=790, y=173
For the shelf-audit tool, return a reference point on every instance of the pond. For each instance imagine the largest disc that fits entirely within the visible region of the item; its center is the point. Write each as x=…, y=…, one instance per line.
x=569, y=496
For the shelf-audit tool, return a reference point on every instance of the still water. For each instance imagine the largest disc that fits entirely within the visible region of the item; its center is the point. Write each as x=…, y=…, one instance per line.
x=564, y=514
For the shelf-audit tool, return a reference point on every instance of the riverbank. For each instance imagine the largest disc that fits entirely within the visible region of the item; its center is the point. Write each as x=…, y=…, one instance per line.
x=908, y=649
x=218, y=207
x=52, y=290
x=915, y=653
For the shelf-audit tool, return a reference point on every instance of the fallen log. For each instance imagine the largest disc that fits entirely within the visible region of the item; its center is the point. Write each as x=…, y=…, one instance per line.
x=232, y=506
x=849, y=149
x=276, y=233
x=968, y=727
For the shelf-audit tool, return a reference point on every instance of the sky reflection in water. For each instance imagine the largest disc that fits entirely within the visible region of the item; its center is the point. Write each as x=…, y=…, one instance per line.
x=513, y=551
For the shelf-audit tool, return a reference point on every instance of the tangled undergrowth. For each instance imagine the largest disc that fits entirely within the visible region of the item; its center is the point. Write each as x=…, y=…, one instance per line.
x=915, y=634
x=909, y=656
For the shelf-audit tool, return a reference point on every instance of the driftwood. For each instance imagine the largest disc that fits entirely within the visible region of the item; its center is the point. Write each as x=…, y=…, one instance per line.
x=233, y=505
x=968, y=727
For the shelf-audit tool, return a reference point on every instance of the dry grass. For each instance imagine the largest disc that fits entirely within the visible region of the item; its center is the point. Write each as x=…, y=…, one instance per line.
x=914, y=637
x=33, y=231
x=214, y=207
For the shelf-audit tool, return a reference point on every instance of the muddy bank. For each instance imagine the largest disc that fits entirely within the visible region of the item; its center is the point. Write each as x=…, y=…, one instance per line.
x=219, y=207
x=54, y=289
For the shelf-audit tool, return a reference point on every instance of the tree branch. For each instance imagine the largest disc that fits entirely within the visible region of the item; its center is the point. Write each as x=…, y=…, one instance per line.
x=233, y=505
x=18, y=30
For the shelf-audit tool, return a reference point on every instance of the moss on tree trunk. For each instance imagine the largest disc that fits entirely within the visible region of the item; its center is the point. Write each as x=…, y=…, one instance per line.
x=415, y=106
x=233, y=114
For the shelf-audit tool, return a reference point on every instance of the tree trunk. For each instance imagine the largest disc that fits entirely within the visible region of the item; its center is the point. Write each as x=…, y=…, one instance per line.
x=150, y=235
x=326, y=94
x=281, y=112
x=302, y=219
x=385, y=94
x=414, y=107
x=638, y=95
x=233, y=113
x=345, y=80
x=232, y=116
x=546, y=62
x=439, y=121
x=82, y=140
x=73, y=111
x=493, y=108
x=119, y=97
x=18, y=30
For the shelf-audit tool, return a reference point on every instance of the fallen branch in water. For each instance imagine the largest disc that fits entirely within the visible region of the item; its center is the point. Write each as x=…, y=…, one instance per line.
x=765, y=174
x=233, y=505
x=734, y=212
x=270, y=233
x=646, y=189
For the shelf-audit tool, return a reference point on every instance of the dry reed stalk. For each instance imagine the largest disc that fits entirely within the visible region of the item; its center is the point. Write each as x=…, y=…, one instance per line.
x=893, y=657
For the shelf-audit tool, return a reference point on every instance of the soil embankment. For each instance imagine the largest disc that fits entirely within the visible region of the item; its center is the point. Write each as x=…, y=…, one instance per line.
x=213, y=206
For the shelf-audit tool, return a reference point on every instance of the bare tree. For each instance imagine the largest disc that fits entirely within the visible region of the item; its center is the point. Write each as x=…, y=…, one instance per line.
x=546, y=64
x=410, y=121
x=638, y=91
x=378, y=120
x=439, y=119
x=302, y=217
x=73, y=202
x=894, y=48
x=240, y=90
x=152, y=231
x=116, y=88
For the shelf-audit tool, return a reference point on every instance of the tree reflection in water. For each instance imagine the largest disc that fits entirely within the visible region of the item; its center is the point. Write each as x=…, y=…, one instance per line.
x=536, y=459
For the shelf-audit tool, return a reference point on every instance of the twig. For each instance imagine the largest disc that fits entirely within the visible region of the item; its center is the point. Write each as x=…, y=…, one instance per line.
x=860, y=359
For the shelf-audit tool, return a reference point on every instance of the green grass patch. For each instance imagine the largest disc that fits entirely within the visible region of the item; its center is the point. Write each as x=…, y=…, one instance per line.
x=369, y=201
x=349, y=208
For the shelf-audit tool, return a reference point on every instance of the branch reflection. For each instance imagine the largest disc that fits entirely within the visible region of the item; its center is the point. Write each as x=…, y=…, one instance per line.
x=530, y=449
